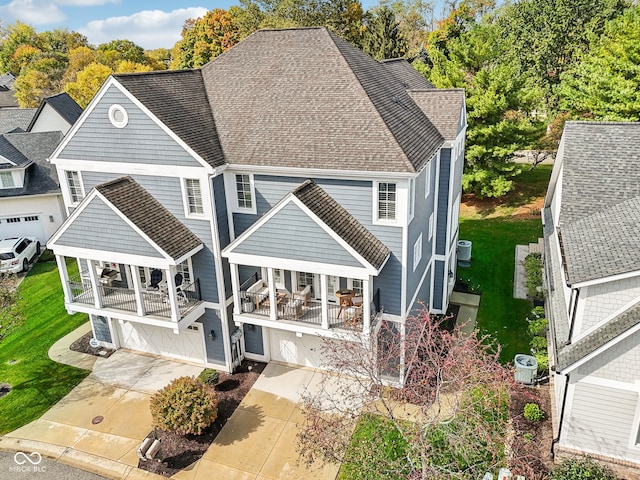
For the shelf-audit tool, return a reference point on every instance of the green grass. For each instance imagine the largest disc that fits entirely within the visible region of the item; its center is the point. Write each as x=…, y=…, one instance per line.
x=492, y=267
x=37, y=382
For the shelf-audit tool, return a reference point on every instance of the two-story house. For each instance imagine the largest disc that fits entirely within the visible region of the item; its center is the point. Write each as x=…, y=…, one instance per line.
x=290, y=189
x=591, y=219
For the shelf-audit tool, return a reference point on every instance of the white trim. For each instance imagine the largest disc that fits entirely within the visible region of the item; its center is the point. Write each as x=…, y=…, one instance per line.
x=606, y=382
x=580, y=309
x=634, y=437
x=185, y=200
x=317, y=172
x=431, y=226
x=607, y=319
x=612, y=278
x=417, y=258
x=66, y=192
x=568, y=408
x=429, y=267
x=427, y=179
x=375, y=220
x=113, y=110
x=232, y=194
x=411, y=200
x=122, y=168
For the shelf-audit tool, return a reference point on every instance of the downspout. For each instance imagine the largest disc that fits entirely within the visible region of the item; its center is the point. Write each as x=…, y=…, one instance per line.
x=573, y=315
x=564, y=401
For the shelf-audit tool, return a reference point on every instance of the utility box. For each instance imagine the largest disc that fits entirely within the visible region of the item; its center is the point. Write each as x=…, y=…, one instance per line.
x=526, y=368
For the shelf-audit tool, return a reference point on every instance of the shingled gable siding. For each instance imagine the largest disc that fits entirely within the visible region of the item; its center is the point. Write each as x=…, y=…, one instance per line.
x=215, y=348
x=307, y=241
x=619, y=363
x=601, y=420
x=604, y=299
x=141, y=141
x=354, y=195
x=92, y=230
x=443, y=201
x=419, y=225
x=167, y=191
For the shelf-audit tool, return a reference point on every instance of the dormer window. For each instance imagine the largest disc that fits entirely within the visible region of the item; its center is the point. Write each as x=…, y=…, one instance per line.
x=6, y=180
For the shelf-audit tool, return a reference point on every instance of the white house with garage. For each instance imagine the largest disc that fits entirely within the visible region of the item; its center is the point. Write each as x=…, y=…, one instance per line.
x=212, y=220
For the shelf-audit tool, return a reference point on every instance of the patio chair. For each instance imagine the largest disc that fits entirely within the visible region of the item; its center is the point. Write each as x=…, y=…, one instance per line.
x=180, y=294
x=154, y=281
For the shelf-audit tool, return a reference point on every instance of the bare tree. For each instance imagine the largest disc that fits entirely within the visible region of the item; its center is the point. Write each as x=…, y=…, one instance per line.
x=436, y=398
x=10, y=315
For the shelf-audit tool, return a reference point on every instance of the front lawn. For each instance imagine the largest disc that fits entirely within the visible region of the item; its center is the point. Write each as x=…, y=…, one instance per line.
x=37, y=382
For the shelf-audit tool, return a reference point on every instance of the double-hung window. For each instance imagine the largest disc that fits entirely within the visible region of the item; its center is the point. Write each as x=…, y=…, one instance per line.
x=194, y=196
x=75, y=186
x=417, y=252
x=243, y=191
x=412, y=197
x=6, y=180
x=387, y=201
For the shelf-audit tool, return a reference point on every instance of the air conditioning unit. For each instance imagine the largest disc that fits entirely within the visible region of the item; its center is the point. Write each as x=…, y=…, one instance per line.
x=464, y=253
x=526, y=368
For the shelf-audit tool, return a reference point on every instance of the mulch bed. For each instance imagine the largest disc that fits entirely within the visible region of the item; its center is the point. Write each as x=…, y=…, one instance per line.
x=179, y=451
x=82, y=345
x=532, y=440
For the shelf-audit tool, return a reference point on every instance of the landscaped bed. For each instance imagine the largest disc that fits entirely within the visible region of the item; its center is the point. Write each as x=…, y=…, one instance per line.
x=36, y=381
x=179, y=451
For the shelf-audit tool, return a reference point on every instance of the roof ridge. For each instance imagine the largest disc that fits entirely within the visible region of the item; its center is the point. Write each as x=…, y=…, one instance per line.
x=602, y=122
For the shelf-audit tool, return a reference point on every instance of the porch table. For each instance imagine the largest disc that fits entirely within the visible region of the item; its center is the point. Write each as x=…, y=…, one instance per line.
x=345, y=298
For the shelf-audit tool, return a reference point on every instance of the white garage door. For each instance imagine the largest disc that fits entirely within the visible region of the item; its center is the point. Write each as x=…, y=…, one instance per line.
x=23, y=226
x=187, y=345
x=286, y=347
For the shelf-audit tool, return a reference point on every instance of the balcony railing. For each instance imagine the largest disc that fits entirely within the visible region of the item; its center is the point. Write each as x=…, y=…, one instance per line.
x=154, y=302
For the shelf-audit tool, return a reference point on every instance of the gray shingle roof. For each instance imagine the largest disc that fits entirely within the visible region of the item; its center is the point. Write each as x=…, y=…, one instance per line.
x=442, y=107
x=305, y=98
x=150, y=216
x=10, y=153
x=12, y=118
x=61, y=103
x=406, y=74
x=600, y=194
x=179, y=100
x=342, y=223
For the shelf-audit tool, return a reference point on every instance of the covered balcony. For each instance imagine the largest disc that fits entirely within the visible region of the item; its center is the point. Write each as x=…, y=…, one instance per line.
x=307, y=265
x=134, y=258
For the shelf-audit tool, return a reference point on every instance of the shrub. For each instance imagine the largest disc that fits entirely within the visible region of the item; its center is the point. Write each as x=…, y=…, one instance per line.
x=543, y=362
x=538, y=326
x=533, y=412
x=538, y=344
x=527, y=437
x=209, y=376
x=533, y=270
x=185, y=406
x=578, y=469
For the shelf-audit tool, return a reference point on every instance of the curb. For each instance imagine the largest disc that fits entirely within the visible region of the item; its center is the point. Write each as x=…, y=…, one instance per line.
x=81, y=460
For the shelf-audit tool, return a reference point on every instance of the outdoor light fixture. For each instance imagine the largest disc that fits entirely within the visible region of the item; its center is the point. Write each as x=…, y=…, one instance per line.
x=450, y=274
x=212, y=335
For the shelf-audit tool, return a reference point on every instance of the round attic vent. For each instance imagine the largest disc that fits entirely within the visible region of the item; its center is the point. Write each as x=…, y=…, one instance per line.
x=118, y=116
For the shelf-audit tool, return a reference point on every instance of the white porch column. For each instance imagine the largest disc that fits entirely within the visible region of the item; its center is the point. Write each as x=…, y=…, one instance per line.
x=325, y=302
x=66, y=288
x=273, y=308
x=235, y=285
x=95, y=283
x=367, y=291
x=171, y=293
x=137, y=287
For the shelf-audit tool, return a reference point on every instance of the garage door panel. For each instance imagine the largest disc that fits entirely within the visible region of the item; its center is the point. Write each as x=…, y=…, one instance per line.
x=22, y=226
x=186, y=345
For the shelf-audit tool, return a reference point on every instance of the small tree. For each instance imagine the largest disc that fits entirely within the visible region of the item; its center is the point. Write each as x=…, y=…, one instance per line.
x=437, y=401
x=185, y=406
x=10, y=313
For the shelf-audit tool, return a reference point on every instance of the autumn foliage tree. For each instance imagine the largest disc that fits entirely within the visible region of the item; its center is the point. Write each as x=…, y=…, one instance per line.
x=420, y=402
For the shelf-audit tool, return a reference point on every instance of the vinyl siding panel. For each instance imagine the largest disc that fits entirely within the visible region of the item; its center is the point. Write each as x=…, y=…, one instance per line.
x=98, y=227
x=620, y=362
x=167, y=190
x=215, y=348
x=419, y=225
x=253, y=339
x=141, y=141
x=356, y=196
x=424, y=295
x=438, y=285
x=292, y=234
x=604, y=299
x=457, y=174
x=223, y=228
x=101, y=328
x=601, y=420
x=443, y=201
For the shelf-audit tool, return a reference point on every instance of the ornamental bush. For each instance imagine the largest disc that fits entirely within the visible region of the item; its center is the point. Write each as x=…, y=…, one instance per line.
x=209, y=376
x=185, y=406
x=533, y=271
x=533, y=412
x=581, y=468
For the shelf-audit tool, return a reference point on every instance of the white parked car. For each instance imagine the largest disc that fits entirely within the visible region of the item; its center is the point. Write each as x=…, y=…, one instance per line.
x=16, y=253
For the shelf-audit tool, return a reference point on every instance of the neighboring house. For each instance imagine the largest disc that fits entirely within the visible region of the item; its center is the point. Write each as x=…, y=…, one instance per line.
x=7, y=93
x=592, y=257
x=216, y=212
x=30, y=197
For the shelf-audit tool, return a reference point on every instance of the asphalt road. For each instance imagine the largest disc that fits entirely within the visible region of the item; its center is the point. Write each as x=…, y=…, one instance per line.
x=19, y=466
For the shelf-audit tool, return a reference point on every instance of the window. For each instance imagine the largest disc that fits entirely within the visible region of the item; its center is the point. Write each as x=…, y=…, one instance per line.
x=6, y=180
x=194, y=196
x=143, y=275
x=305, y=279
x=412, y=197
x=386, y=201
x=417, y=252
x=243, y=191
x=13, y=220
x=75, y=187
x=356, y=286
x=430, y=226
x=118, y=116
x=184, y=269
x=31, y=219
x=427, y=180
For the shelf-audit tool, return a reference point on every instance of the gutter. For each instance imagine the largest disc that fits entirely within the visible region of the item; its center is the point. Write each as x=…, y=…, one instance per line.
x=564, y=402
x=573, y=315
